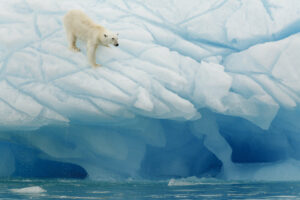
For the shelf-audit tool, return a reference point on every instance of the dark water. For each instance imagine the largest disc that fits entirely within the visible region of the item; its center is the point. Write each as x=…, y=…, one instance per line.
x=84, y=189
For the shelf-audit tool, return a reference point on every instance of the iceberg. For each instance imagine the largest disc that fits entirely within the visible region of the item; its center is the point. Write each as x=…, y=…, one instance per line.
x=205, y=89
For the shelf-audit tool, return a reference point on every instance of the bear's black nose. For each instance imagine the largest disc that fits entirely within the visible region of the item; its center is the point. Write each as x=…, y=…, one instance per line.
x=116, y=45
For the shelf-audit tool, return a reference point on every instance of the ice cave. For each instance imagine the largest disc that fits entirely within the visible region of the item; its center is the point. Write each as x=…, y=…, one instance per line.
x=203, y=88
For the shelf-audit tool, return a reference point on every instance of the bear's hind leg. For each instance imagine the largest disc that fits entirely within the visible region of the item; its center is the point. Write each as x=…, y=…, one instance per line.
x=72, y=42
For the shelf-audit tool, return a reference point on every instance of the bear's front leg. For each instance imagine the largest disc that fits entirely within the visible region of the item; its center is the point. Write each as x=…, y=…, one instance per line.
x=91, y=53
x=72, y=42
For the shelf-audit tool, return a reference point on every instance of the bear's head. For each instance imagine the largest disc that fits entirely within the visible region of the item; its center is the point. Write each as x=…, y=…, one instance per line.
x=110, y=38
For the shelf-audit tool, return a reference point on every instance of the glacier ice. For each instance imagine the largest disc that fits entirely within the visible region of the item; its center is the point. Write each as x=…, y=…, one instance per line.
x=206, y=89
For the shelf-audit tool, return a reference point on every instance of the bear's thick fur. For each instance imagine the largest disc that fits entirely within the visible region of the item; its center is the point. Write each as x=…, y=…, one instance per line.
x=79, y=26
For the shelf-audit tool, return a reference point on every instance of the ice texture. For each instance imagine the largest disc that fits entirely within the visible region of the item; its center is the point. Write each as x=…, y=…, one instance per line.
x=204, y=88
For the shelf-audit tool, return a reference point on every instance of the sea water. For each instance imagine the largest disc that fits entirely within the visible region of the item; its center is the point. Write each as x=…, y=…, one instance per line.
x=170, y=189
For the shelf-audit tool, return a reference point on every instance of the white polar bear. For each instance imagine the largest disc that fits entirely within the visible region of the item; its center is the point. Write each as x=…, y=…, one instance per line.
x=79, y=25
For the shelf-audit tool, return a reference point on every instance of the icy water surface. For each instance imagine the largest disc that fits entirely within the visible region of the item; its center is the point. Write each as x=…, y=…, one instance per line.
x=84, y=189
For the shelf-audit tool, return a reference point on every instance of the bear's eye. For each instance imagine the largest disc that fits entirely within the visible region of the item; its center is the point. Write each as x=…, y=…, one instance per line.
x=113, y=38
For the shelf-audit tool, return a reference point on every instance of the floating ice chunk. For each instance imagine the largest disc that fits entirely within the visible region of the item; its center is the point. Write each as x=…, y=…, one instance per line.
x=29, y=190
x=194, y=181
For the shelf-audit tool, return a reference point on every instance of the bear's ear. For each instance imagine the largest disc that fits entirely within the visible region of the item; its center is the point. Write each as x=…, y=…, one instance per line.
x=105, y=35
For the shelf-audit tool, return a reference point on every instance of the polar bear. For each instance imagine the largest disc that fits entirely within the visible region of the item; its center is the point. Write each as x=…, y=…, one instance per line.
x=79, y=26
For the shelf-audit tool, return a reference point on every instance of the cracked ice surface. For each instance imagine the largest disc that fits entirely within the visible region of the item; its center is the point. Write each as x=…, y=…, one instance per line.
x=192, y=89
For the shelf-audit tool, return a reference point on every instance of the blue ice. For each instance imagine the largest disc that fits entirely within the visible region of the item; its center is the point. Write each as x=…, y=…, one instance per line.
x=205, y=89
